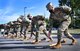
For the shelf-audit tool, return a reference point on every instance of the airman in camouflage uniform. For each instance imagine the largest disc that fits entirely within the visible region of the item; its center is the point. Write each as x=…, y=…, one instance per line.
x=61, y=14
x=23, y=24
x=38, y=24
x=31, y=24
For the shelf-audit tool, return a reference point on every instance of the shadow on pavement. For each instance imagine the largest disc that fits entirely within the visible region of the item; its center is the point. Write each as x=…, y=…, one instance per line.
x=15, y=43
x=27, y=47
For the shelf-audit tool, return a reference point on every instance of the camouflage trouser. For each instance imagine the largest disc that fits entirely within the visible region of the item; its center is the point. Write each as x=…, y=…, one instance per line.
x=23, y=30
x=39, y=27
x=63, y=29
x=44, y=30
x=16, y=29
x=50, y=26
x=34, y=28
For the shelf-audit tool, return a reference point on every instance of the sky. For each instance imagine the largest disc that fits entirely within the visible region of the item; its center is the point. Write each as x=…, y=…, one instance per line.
x=10, y=10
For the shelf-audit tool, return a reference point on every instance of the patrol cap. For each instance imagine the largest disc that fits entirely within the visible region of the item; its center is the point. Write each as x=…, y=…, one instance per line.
x=49, y=6
x=29, y=16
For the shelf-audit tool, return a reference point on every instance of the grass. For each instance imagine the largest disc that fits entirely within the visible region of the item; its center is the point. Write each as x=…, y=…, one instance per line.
x=74, y=31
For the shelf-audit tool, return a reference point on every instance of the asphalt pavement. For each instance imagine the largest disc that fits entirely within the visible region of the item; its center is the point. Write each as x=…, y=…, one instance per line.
x=8, y=44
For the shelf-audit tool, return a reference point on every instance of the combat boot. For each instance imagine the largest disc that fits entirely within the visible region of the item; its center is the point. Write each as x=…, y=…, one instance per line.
x=58, y=45
x=52, y=44
x=50, y=40
x=36, y=42
x=74, y=41
x=63, y=41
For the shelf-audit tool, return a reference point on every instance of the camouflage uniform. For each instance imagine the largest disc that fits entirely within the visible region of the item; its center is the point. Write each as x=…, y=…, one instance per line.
x=42, y=27
x=64, y=20
x=38, y=24
x=23, y=25
x=16, y=27
x=61, y=14
x=34, y=27
x=6, y=29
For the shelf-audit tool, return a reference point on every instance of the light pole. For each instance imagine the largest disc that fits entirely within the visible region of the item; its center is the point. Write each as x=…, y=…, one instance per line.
x=24, y=10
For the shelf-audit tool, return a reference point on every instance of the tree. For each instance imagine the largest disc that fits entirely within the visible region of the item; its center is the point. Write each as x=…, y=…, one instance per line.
x=75, y=5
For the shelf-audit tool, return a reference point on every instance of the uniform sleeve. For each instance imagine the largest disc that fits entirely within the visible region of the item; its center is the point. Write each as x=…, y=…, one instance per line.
x=19, y=20
x=50, y=21
x=66, y=8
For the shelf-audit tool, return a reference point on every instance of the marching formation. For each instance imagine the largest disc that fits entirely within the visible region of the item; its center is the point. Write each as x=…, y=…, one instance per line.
x=36, y=24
